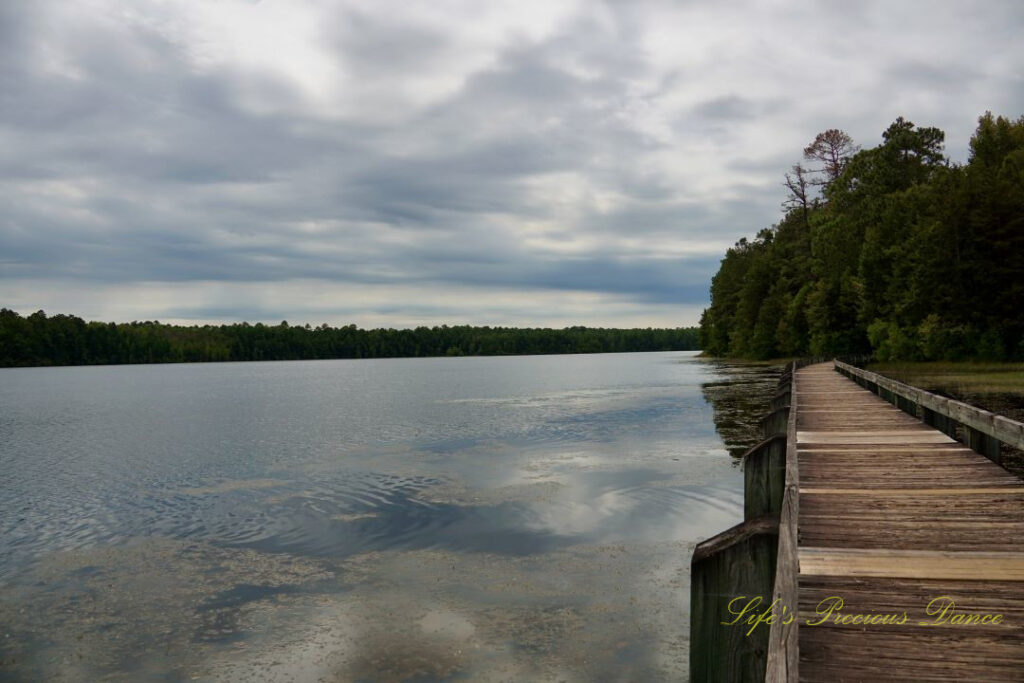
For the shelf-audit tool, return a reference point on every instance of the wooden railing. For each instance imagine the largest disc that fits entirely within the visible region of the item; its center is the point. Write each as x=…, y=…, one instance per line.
x=741, y=562
x=982, y=431
x=754, y=559
x=783, y=642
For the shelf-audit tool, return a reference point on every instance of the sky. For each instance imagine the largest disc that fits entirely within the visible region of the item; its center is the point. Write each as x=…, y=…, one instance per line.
x=395, y=164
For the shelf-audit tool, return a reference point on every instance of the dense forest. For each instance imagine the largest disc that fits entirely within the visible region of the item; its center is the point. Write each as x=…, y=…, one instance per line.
x=891, y=250
x=69, y=340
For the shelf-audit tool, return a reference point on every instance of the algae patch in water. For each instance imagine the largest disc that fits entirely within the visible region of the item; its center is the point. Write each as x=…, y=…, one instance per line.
x=132, y=611
x=570, y=615
x=160, y=608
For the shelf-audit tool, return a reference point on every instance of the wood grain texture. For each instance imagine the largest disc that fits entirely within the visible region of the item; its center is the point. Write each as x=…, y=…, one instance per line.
x=783, y=655
x=912, y=564
x=894, y=514
x=737, y=562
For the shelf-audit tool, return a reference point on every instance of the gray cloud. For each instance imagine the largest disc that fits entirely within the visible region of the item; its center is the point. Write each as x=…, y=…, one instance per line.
x=727, y=108
x=559, y=163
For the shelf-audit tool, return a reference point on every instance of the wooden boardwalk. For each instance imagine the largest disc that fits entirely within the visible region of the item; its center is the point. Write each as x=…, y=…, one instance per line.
x=892, y=515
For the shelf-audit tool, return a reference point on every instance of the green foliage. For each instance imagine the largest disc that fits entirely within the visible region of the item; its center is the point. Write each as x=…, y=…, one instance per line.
x=942, y=340
x=904, y=255
x=67, y=340
x=891, y=342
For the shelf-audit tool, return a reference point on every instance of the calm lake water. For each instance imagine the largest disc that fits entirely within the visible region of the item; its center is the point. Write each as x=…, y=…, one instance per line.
x=524, y=518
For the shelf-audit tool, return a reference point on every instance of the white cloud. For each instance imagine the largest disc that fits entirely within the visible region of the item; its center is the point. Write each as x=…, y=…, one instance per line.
x=549, y=162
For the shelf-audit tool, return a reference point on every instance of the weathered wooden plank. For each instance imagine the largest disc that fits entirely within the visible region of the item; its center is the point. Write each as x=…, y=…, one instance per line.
x=918, y=535
x=839, y=655
x=913, y=564
x=956, y=476
x=916, y=492
x=919, y=599
x=921, y=432
x=1010, y=500
x=865, y=593
x=868, y=449
x=816, y=481
x=869, y=438
x=910, y=465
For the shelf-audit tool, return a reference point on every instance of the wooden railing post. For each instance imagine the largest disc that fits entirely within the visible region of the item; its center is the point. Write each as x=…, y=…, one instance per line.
x=781, y=398
x=736, y=565
x=775, y=422
x=907, y=405
x=764, y=477
x=981, y=442
x=939, y=421
x=742, y=562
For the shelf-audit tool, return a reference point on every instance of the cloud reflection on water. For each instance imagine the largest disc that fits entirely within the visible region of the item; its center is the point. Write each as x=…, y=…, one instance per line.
x=532, y=519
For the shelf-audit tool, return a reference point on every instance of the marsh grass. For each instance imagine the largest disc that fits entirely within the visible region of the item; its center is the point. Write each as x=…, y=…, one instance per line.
x=977, y=378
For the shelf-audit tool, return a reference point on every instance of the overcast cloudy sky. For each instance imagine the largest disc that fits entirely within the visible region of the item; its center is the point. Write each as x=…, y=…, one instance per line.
x=384, y=163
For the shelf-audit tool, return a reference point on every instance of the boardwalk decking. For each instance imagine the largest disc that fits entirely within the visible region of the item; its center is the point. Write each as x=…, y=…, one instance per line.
x=894, y=514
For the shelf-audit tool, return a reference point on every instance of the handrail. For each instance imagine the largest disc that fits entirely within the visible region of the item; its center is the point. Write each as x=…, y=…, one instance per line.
x=976, y=420
x=783, y=640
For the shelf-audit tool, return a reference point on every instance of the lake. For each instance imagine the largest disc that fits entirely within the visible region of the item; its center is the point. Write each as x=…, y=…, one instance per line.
x=527, y=518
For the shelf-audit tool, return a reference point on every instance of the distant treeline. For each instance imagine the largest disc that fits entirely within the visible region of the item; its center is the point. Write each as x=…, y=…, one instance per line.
x=891, y=250
x=69, y=340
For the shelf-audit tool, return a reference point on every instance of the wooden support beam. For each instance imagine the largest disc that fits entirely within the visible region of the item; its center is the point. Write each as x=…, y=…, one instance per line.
x=737, y=563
